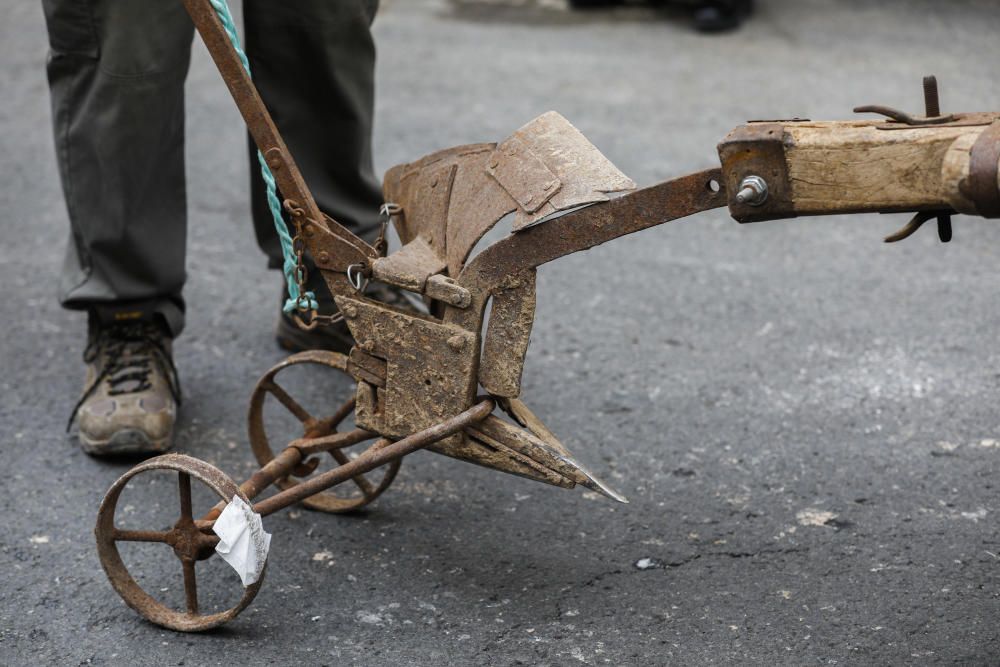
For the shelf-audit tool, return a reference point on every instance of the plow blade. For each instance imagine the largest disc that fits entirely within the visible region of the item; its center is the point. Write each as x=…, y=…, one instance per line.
x=497, y=444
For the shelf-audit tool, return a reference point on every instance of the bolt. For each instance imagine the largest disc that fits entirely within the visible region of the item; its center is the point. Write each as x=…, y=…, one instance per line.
x=368, y=346
x=323, y=257
x=350, y=311
x=434, y=182
x=273, y=158
x=932, y=105
x=753, y=191
x=308, y=231
x=456, y=343
x=494, y=163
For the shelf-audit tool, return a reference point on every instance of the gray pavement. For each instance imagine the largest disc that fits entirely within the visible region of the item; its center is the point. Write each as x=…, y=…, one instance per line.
x=803, y=418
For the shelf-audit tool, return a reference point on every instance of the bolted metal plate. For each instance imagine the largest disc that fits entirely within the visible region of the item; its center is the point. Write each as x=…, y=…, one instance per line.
x=548, y=166
x=430, y=367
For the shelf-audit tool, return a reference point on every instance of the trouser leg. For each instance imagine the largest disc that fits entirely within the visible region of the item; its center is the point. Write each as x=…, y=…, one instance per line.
x=116, y=72
x=313, y=62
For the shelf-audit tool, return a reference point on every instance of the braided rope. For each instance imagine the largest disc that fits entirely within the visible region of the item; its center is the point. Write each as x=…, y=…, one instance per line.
x=295, y=300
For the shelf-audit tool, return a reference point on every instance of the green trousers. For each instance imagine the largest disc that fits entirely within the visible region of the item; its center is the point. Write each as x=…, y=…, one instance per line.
x=116, y=72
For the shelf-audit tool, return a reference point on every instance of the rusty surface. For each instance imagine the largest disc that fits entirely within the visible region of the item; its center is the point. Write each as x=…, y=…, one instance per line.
x=410, y=266
x=189, y=540
x=446, y=290
x=495, y=431
x=982, y=186
x=364, y=367
x=757, y=149
x=417, y=375
x=342, y=248
x=375, y=456
x=548, y=166
x=430, y=367
x=582, y=229
x=507, y=335
x=319, y=435
x=523, y=415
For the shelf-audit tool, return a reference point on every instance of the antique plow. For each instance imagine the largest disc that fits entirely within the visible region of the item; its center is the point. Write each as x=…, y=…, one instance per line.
x=449, y=380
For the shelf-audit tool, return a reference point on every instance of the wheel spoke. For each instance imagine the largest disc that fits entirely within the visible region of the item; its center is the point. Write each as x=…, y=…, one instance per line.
x=290, y=403
x=190, y=586
x=362, y=482
x=184, y=486
x=342, y=412
x=140, y=536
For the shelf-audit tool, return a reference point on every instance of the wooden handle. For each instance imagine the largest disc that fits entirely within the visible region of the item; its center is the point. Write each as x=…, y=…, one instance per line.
x=829, y=167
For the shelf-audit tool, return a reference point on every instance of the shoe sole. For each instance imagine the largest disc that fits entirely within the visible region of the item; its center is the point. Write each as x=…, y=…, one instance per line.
x=125, y=442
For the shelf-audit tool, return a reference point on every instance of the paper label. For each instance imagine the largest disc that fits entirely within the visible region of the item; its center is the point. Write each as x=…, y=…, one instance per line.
x=242, y=540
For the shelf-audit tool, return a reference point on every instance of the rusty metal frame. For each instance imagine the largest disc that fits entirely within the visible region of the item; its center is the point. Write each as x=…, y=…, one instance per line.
x=417, y=375
x=332, y=247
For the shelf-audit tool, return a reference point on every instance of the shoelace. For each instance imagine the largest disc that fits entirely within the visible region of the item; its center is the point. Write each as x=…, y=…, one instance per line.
x=130, y=352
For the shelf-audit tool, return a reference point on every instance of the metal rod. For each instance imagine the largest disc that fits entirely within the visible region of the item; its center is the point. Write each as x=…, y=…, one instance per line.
x=329, y=423
x=190, y=585
x=278, y=467
x=374, y=457
x=262, y=128
x=331, y=442
x=184, y=487
x=582, y=229
x=140, y=536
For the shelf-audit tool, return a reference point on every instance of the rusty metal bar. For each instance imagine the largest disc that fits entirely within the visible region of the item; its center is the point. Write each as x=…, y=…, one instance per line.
x=332, y=442
x=349, y=249
x=140, y=535
x=583, y=229
x=375, y=457
x=324, y=427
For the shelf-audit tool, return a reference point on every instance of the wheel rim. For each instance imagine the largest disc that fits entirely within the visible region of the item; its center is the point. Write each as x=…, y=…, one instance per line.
x=183, y=538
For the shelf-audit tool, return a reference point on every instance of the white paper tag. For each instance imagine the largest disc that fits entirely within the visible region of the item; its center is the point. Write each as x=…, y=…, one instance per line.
x=242, y=540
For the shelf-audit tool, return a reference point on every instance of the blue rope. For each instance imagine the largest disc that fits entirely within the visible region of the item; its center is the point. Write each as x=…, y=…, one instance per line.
x=295, y=300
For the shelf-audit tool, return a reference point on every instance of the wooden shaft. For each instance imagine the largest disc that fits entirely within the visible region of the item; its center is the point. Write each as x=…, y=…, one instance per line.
x=834, y=167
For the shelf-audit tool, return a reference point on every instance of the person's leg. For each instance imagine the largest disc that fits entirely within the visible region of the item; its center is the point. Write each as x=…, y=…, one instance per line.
x=313, y=62
x=116, y=72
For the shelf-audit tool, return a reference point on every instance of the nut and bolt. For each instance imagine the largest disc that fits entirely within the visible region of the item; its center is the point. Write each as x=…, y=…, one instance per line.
x=350, y=311
x=753, y=191
x=323, y=257
x=456, y=343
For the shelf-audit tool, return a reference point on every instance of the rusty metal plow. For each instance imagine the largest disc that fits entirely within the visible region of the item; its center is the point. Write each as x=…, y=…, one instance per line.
x=434, y=381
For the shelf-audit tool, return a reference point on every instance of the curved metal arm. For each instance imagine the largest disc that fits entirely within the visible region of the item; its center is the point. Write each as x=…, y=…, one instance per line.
x=338, y=247
x=582, y=229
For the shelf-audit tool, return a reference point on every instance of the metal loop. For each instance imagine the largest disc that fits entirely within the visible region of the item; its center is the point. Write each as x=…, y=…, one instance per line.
x=357, y=278
x=389, y=209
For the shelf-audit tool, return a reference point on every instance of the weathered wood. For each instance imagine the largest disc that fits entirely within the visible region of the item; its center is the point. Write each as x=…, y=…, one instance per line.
x=955, y=169
x=847, y=167
x=833, y=167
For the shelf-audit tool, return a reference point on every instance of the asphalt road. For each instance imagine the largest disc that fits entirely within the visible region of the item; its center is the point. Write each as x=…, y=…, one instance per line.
x=803, y=417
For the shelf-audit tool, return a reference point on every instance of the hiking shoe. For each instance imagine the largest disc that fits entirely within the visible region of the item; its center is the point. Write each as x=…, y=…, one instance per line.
x=336, y=337
x=131, y=393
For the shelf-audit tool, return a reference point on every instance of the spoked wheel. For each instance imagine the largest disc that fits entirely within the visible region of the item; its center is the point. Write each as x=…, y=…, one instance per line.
x=344, y=498
x=190, y=539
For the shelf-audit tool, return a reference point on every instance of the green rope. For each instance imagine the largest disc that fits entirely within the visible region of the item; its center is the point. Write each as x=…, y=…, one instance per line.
x=295, y=300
